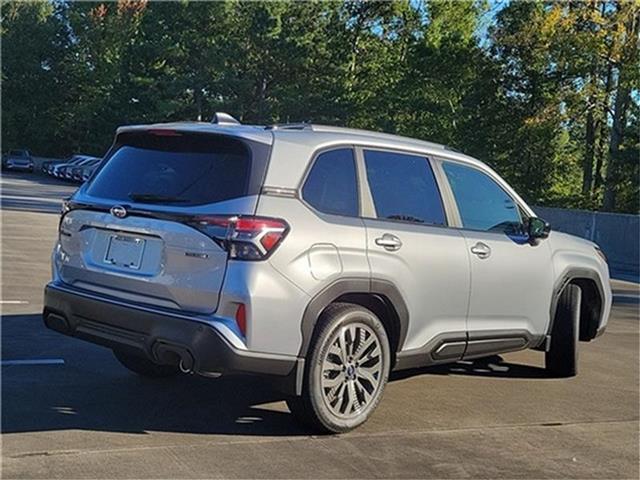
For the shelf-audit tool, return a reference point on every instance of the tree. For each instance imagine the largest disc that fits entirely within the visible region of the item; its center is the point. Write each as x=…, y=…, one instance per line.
x=548, y=94
x=34, y=44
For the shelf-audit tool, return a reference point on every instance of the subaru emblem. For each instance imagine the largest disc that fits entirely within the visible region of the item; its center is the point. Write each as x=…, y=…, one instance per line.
x=118, y=211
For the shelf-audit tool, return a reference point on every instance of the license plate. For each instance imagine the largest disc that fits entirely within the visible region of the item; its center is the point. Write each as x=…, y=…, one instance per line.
x=125, y=251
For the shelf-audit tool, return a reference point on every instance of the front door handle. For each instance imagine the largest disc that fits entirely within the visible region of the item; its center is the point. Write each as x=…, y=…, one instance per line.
x=482, y=250
x=389, y=242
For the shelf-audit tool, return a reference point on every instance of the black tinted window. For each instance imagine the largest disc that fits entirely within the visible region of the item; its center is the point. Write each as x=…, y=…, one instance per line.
x=403, y=187
x=181, y=169
x=482, y=203
x=331, y=186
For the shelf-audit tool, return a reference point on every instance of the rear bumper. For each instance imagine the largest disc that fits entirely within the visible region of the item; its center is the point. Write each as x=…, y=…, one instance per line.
x=160, y=336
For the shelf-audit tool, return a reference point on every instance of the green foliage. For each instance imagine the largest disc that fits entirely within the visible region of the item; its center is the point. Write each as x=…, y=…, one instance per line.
x=536, y=96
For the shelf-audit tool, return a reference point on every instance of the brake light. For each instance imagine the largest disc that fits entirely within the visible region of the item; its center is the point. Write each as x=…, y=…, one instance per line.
x=244, y=237
x=161, y=132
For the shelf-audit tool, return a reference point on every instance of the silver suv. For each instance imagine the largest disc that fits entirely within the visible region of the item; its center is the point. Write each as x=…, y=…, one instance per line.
x=320, y=257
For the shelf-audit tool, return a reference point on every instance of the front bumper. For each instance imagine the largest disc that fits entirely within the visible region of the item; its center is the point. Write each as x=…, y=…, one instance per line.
x=162, y=337
x=22, y=167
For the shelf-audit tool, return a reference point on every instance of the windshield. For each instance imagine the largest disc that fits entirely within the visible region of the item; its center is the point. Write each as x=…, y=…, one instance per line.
x=182, y=169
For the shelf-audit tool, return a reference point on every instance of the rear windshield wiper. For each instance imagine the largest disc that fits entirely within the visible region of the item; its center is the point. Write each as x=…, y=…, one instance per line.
x=155, y=198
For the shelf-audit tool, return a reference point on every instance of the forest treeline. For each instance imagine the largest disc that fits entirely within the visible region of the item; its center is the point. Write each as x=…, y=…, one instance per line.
x=545, y=92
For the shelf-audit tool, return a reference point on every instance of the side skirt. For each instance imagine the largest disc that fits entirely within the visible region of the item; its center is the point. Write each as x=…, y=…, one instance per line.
x=454, y=346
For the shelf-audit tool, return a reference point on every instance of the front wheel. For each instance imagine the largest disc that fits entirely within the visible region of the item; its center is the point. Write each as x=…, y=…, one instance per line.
x=346, y=372
x=562, y=358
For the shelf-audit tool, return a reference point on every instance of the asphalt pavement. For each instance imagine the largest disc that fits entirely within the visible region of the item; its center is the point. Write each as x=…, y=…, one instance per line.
x=69, y=410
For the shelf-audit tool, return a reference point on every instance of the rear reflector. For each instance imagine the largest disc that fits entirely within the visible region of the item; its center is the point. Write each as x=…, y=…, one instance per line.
x=241, y=318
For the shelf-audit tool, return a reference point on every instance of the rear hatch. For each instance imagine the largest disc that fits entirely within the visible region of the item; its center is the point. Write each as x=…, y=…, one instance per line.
x=132, y=232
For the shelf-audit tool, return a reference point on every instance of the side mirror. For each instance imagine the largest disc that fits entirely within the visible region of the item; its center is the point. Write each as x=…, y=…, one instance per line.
x=538, y=228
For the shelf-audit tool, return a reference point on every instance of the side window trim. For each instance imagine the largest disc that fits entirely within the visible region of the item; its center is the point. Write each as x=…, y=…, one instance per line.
x=454, y=203
x=448, y=199
x=368, y=210
x=314, y=157
x=367, y=207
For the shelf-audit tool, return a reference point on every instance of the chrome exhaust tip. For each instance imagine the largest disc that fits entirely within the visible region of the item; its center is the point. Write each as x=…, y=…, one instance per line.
x=186, y=367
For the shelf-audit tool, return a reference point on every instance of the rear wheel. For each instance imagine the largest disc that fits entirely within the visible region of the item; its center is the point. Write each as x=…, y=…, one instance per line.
x=346, y=372
x=562, y=358
x=145, y=367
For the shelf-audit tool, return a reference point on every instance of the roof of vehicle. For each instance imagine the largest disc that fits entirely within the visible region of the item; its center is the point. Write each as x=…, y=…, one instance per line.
x=300, y=138
x=300, y=132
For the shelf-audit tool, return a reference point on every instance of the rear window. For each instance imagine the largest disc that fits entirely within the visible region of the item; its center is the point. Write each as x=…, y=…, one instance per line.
x=185, y=169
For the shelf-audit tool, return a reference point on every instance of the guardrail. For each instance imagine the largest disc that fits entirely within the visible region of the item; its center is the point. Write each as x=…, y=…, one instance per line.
x=617, y=234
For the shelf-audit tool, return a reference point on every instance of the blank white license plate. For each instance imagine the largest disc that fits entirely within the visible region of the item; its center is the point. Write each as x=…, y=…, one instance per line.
x=125, y=251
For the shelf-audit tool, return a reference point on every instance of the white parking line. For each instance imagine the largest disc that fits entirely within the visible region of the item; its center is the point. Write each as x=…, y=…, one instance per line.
x=14, y=302
x=43, y=361
x=626, y=295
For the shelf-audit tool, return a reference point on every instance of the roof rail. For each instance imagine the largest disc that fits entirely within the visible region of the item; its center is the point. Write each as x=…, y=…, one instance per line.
x=290, y=126
x=221, y=118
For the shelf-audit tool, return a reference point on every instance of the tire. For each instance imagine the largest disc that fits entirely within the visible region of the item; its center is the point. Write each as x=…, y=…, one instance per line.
x=346, y=370
x=145, y=367
x=561, y=360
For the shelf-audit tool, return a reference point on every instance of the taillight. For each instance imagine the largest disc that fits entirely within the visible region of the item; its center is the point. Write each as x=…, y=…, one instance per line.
x=244, y=237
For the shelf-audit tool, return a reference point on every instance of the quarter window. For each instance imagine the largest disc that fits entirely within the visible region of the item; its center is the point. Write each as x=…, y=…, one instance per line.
x=403, y=187
x=482, y=203
x=331, y=186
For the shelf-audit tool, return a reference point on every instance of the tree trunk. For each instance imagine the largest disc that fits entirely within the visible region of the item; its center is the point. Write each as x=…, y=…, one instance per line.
x=597, y=181
x=617, y=132
x=197, y=94
x=587, y=165
x=626, y=62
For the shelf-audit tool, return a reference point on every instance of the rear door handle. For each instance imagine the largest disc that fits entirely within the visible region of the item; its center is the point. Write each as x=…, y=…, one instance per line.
x=389, y=242
x=482, y=250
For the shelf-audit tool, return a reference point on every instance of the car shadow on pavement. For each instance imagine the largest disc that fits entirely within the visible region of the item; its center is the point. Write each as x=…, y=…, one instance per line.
x=493, y=366
x=92, y=391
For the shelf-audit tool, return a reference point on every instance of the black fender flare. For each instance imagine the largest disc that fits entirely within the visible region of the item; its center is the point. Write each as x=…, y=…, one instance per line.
x=354, y=285
x=567, y=277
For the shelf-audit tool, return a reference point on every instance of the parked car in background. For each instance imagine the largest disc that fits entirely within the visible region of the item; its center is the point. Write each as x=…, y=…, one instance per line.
x=83, y=171
x=59, y=171
x=88, y=169
x=70, y=172
x=46, y=167
x=18, y=160
x=319, y=257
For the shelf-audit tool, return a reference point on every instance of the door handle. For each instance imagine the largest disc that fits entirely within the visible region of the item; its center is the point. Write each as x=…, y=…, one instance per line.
x=482, y=250
x=389, y=242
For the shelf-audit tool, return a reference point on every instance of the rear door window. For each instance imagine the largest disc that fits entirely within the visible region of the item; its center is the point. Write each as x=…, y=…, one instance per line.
x=331, y=186
x=175, y=168
x=403, y=187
